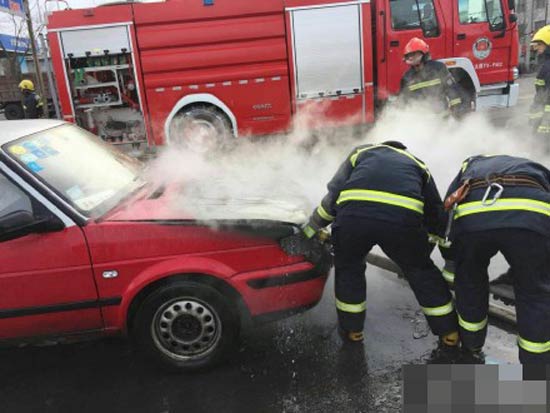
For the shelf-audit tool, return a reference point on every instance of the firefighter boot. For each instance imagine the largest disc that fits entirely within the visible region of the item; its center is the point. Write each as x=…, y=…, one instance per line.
x=468, y=356
x=447, y=350
x=350, y=336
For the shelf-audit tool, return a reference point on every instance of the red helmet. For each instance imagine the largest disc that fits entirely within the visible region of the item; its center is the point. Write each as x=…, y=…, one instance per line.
x=416, y=45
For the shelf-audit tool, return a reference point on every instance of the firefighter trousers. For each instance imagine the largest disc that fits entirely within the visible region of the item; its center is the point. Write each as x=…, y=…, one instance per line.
x=528, y=254
x=408, y=247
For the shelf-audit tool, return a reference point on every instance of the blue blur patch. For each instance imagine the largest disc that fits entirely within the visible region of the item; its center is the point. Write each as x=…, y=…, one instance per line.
x=30, y=146
x=35, y=167
x=39, y=153
x=49, y=150
x=208, y=2
x=28, y=157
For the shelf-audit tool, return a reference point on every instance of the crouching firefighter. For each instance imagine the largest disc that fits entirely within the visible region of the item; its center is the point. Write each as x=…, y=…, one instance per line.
x=429, y=80
x=539, y=115
x=383, y=195
x=502, y=203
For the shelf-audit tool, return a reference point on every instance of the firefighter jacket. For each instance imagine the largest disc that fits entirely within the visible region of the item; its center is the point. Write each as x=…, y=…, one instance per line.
x=433, y=83
x=384, y=183
x=539, y=115
x=525, y=204
x=32, y=105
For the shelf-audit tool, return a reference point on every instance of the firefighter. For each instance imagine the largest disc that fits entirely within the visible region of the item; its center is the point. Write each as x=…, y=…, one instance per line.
x=502, y=203
x=539, y=115
x=383, y=195
x=32, y=103
x=429, y=80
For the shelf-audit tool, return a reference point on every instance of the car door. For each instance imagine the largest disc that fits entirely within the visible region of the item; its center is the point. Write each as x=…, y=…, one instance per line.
x=407, y=19
x=46, y=280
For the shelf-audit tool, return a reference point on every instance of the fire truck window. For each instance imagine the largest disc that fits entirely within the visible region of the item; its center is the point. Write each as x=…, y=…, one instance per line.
x=414, y=14
x=480, y=11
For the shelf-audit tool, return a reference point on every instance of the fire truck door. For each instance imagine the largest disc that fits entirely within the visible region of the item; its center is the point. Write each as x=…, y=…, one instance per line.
x=482, y=35
x=407, y=19
x=327, y=59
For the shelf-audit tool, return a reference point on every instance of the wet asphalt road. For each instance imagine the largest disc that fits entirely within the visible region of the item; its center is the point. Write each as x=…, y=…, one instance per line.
x=298, y=365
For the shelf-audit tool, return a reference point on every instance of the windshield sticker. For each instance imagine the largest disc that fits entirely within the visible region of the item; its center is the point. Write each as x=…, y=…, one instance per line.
x=90, y=202
x=34, y=166
x=28, y=157
x=75, y=192
x=40, y=153
x=30, y=145
x=49, y=150
x=17, y=150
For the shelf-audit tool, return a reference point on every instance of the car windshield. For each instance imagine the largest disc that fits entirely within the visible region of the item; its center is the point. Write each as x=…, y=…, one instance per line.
x=88, y=173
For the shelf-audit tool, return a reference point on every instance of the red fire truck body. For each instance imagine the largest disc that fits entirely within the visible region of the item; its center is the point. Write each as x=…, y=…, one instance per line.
x=136, y=72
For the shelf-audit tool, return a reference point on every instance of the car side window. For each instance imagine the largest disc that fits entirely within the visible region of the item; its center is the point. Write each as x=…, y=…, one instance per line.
x=480, y=11
x=414, y=14
x=12, y=198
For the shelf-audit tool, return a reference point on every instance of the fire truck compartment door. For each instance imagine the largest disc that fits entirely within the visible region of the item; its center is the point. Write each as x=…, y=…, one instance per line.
x=327, y=50
x=95, y=41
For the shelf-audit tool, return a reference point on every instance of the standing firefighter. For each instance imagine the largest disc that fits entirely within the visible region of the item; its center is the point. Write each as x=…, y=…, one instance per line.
x=540, y=109
x=429, y=80
x=32, y=103
x=382, y=195
x=502, y=203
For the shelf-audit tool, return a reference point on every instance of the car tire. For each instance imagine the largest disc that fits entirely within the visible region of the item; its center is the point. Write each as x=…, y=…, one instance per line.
x=13, y=111
x=201, y=129
x=186, y=326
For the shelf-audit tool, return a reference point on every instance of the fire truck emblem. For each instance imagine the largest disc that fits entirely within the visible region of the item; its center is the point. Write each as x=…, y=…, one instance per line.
x=482, y=48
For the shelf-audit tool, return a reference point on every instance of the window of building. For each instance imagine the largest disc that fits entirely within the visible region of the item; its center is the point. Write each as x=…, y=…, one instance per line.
x=414, y=14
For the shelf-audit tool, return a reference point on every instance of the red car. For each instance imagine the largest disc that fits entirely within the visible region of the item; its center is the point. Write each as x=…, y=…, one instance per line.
x=88, y=246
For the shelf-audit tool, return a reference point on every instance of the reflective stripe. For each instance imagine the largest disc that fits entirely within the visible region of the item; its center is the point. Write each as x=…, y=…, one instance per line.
x=448, y=276
x=464, y=166
x=506, y=204
x=353, y=158
x=425, y=84
x=473, y=327
x=439, y=311
x=536, y=115
x=309, y=231
x=351, y=308
x=547, y=108
x=540, y=82
x=456, y=101
x=543, y=129
x=381, y=197
x=324, y=214
x=533, y=347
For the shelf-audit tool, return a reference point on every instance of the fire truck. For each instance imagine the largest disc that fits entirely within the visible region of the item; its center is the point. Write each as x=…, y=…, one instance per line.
x=200, y=72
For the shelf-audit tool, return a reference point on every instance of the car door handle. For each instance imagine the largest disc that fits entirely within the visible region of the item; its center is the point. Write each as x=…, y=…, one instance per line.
x=394, y=43
x=461, y=36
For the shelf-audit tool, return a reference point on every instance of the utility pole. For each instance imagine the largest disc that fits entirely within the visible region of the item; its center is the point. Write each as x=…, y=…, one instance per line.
x=41, y=89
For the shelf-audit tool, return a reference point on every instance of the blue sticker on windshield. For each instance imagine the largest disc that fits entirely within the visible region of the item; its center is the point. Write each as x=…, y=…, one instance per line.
x=49, y=150
x=34, y=166
x=30, y=145
x=40, y=153
x=28, y=157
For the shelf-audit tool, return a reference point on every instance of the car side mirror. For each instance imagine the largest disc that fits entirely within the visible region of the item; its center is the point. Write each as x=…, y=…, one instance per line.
x=19, y=223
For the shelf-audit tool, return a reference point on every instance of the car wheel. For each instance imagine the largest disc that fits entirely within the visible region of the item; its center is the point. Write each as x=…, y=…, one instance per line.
x=13, y=111
x=186, y=326
x=201, y=129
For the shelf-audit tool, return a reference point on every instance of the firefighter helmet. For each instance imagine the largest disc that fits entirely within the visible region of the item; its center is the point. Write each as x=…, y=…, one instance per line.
x=416, y=45
x=26, y=84
x=542, y=35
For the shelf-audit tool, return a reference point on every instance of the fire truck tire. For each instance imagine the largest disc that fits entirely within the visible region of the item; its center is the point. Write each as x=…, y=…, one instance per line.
x=14, y=111
x=186, y=326
x=201, y=128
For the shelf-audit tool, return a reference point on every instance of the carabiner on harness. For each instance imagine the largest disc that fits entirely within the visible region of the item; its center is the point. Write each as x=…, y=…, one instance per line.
x=497, y=195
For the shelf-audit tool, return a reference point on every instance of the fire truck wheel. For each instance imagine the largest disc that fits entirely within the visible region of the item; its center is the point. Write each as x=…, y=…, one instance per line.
x=201, y=129
x=186, y=326
x=13, y=111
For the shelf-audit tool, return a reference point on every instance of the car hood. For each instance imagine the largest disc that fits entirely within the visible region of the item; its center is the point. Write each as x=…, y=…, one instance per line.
x=176, y=205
